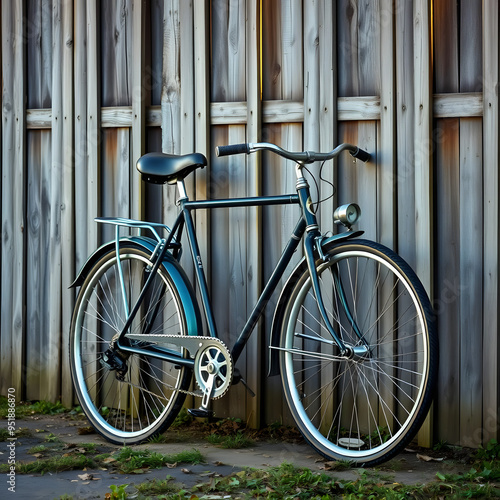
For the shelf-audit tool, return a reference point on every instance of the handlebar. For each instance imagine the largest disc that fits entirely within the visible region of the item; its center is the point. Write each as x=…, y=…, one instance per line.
x=301, y=157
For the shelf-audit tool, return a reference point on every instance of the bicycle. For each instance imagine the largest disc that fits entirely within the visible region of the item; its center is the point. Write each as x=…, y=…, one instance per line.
x=353, y=335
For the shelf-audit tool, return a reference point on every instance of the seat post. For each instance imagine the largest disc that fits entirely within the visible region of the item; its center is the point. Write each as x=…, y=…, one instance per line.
x=182, y=191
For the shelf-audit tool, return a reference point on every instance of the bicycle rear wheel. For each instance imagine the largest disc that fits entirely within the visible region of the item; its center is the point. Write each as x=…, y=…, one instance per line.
x=368, y=407
x=128, y=398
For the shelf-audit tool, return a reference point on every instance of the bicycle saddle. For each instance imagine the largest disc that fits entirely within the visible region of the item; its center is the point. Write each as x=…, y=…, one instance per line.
x=160, y=168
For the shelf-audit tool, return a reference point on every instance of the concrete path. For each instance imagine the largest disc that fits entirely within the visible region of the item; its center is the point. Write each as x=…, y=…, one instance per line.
x=407, y=468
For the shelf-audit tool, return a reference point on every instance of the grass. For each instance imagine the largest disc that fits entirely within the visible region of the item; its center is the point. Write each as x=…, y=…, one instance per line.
x=129, y=460
x=24, y=409
x=125, y=460
x=235, y=441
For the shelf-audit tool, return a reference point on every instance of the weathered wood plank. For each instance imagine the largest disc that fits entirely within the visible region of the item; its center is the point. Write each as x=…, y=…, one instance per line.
x=116, y=52
x=405, y=123
x=39, y=53
x=67, y=193
x=80, y=130
x=254, y=216
x=201, y=36
x=13, y=217
x=469, y=288
x=39, y=156
x=93, y=127
x=491, y=156
x=171, y=80
x=422, y=73
x=386, y=151
x=138, y=132
x=448, y=256
x=470, y=39
x=445, y=39
x=455, y=105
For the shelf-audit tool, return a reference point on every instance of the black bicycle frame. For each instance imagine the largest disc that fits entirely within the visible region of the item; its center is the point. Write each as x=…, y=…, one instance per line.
x=306, y=223
x=290, y=248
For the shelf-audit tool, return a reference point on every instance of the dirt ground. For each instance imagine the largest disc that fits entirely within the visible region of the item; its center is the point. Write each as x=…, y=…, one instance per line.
x=410, y=467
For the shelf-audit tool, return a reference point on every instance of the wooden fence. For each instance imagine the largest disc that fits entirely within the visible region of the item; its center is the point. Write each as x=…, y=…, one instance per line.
x=90, y=86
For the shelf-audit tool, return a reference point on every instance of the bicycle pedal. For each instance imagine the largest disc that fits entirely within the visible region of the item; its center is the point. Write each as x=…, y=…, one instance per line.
x=201, y=413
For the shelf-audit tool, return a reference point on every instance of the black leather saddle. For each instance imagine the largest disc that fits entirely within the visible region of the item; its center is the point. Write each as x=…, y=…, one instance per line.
x=160, y=168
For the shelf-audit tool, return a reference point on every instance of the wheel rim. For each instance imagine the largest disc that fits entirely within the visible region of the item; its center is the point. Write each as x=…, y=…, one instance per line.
x=357, y=409
x=137, y=406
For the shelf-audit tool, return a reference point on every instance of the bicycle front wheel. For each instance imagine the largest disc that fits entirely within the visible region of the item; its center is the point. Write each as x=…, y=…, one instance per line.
x=127, y=397
x=367, y=407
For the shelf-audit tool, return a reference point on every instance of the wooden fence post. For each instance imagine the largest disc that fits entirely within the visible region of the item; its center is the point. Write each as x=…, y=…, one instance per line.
x=422, y=72
x=491, y=157
x=13, y=217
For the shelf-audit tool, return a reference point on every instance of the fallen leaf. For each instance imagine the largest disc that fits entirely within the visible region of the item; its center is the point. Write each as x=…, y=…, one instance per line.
x=109, y=460
x=172, y=466
x=85, y=477
x=141, y=470
x=86, y=430
x=218, y=463
x=426, y=458
x=186, y=471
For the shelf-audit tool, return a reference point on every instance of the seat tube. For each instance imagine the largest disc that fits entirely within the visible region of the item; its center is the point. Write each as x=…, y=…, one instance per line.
x=198, y=267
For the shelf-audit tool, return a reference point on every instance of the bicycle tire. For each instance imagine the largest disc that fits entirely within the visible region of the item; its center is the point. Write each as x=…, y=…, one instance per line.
x=368, y=408
x=149, y=394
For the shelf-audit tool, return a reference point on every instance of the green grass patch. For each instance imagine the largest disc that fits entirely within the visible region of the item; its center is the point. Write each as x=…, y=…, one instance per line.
x=19, y=432
x=54, y=464
x=236, y=441
x=23, y=409
x=157, y=487
x=129, y=460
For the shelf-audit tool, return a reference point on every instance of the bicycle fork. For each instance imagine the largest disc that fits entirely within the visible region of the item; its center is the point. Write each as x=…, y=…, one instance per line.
x=314, y=240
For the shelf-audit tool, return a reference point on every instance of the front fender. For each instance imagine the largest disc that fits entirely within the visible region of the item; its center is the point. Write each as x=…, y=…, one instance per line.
x=173, y=268
x=279, y=312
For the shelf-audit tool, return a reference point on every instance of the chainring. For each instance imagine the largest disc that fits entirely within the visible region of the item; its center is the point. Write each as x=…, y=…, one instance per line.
x=214, y=359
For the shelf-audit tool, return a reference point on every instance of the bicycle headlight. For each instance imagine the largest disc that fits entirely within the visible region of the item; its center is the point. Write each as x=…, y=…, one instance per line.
x=347, y=214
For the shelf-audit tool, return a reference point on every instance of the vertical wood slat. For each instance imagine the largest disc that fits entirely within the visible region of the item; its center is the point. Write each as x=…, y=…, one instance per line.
x=423, y=157
x=12, y=321
x=67, y=195
x=80, y=130
x=405, y=122
x=138, y=130
x=447, y=206
x=38, y=171
x=171, y=80
x=93, y=126
x=235, y=259
x=491, y=156
x=254, y=215
x=202, y=117
x=386, y=151
x=469, y=289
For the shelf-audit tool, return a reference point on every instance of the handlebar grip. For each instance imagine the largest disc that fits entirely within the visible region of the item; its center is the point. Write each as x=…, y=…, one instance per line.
x=233, y=149
x=362, y=155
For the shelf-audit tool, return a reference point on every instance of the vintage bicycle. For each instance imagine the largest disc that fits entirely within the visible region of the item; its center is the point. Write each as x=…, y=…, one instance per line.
x=353, y=335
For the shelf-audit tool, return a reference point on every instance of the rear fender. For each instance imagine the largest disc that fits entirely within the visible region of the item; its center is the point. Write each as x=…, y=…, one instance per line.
x=179, y=278
x=279, y=312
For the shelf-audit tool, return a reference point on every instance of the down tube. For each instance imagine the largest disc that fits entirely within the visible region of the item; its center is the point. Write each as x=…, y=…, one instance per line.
x=271, y=285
